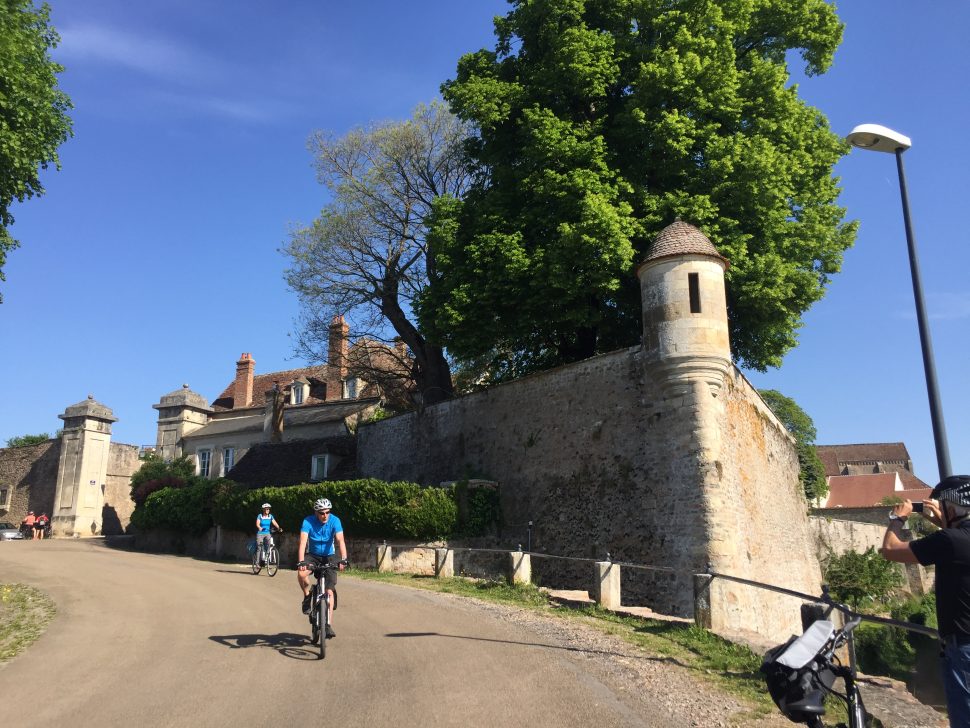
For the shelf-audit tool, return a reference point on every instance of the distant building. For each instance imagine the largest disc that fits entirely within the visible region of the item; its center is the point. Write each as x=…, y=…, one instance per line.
x=256, y=415
x=865, y=474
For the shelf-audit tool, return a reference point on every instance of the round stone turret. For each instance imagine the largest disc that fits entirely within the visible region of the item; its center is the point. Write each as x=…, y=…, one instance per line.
x=685, y=326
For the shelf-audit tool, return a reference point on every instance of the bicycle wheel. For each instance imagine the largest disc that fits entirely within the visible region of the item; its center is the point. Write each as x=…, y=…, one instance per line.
x=314, y=624
x=256, y=567
x=322, y=605
x=273, y=562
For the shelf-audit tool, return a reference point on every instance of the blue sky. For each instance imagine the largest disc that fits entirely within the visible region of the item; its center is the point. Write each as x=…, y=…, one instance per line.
x=153, y=261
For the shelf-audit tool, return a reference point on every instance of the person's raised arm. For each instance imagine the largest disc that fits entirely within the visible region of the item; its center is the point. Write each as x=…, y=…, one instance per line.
x=893, y=546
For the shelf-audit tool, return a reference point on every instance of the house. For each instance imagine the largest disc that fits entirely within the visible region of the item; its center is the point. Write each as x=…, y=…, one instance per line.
x=259, y=417
x=863, y=475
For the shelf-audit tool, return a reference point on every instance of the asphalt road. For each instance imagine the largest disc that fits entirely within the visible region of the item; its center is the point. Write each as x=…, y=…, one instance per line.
x=169, y=641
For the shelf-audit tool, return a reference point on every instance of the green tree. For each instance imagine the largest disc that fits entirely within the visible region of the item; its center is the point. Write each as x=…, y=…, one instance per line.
x=27, y=440
x=800, y=425
x=33, y=111
x=600, y=121
x=368, y=255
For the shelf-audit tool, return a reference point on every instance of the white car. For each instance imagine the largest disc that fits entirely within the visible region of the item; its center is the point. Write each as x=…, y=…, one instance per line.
x=8, y=532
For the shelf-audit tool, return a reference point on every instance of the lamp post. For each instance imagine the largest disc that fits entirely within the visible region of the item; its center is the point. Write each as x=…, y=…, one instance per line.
x=880, y=139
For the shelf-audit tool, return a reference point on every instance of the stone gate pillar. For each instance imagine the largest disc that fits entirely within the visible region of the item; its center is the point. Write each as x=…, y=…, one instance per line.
x=83, y=469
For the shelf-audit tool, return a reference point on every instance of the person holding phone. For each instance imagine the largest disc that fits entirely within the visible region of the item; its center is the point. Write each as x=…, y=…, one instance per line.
x=949, y=551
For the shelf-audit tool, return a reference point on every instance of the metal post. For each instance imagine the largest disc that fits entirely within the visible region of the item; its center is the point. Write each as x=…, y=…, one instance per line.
x=929, y=367
x=529, y=539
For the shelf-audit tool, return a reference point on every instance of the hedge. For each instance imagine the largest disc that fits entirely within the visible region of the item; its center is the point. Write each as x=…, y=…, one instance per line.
x=366, y=507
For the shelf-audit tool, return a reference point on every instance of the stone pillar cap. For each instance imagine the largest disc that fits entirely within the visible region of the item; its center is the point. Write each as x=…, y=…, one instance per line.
x=183, y=397
x=89, y=407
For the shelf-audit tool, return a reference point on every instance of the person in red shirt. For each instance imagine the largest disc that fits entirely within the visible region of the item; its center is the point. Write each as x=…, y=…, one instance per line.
x=27, y=525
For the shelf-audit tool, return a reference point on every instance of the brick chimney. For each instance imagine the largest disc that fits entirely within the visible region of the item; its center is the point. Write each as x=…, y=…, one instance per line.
x=337, y=353
x=242, y=389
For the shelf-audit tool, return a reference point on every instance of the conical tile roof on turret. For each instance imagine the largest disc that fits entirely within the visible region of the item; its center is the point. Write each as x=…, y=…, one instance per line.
x=681, y=238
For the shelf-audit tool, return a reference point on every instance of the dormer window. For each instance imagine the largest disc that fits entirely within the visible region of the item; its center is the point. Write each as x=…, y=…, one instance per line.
x=298, y=392
x=351, y=388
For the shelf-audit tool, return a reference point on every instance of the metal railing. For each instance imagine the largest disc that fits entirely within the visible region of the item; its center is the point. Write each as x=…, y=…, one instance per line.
x=702, y=583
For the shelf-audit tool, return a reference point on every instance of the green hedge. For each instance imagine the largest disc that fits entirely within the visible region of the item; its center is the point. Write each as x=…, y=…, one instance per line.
x=187, y=509
x=366, y=507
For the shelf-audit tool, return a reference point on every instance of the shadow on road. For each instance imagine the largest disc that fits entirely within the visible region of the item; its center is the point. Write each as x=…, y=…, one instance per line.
x=294, y=646
x=539, y=644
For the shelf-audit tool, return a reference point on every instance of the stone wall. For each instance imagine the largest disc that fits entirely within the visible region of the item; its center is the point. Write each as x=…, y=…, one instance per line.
x=30, y=475
x=839, y=536
x=596, y=457
x=116, y=513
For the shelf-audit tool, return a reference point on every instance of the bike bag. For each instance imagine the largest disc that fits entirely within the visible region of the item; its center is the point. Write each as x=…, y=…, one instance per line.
x=798, y=675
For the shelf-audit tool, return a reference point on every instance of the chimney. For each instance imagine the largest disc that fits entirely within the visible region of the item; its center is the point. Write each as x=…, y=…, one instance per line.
x=337, y=357
x=242, y=389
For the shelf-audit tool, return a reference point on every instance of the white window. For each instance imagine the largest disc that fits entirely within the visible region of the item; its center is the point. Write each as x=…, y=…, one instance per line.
x=297, y=393
x=351, y=388
x=5, y=499
x=320, y=467
x=228, y=459
x=205, y=458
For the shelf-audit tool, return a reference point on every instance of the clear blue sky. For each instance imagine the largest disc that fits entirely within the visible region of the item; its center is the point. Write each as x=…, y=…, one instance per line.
x=152, y=260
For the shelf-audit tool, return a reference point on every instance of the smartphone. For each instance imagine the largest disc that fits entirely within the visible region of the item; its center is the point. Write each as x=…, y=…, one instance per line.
x=918, y=507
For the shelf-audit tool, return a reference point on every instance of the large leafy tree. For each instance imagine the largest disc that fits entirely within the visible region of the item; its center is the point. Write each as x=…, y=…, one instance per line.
x=33, y=110
x=802, y=428
x=367, y=256
x=600, y=121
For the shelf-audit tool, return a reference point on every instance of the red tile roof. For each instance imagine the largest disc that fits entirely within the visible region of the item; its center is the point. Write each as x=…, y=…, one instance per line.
x=859, y=491
x=873, y=452
x=263, y=383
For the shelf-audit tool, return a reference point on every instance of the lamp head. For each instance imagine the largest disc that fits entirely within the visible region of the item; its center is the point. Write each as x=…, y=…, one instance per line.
x=878, y=139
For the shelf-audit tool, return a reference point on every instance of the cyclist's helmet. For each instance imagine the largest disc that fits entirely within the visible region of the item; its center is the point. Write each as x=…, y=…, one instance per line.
x=322, y=504
x=266, y=505
x=955, y=490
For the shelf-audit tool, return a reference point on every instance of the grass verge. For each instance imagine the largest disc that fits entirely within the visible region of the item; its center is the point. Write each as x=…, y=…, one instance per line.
x=24, y=615
x=728, y=666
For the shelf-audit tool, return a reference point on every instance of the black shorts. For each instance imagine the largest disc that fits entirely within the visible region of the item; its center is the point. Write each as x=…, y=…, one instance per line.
x=330, y=575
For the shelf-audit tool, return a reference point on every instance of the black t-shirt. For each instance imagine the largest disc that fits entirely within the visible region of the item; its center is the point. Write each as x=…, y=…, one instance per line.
x=949, y=550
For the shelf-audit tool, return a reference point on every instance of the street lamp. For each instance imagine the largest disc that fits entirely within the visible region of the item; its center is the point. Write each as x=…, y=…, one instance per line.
x=880, y=139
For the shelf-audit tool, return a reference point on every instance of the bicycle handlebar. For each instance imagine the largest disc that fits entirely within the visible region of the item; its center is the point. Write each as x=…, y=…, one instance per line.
x=322, y=567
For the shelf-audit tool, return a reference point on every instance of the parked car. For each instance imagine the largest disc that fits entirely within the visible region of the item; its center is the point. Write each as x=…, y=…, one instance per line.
x=9, y=532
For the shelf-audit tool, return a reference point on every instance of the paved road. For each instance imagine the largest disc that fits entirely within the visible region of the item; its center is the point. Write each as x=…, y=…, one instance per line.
x=169, y=641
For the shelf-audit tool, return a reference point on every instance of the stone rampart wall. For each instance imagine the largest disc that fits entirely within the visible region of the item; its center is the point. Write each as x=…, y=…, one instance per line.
x=599, y=461
x=116, y=513
x=30, y=474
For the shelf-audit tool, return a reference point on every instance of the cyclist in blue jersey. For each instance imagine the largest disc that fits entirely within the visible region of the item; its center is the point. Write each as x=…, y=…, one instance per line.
x=264, y=530
x=321, y=536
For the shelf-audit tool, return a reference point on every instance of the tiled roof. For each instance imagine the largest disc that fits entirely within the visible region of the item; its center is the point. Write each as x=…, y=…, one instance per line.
x=288, y=463
x=293, y=416
x=681, y=238
x=263, y=383
x=832, y=455
x=859, y=491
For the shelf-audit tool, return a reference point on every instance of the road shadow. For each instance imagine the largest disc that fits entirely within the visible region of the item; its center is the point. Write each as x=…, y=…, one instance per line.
x=245, y=572
x=294, y=646
x=564, y=648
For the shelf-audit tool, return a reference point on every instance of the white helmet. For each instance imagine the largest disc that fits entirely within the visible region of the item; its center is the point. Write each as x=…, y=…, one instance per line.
x=322, y=504
x=266, y=505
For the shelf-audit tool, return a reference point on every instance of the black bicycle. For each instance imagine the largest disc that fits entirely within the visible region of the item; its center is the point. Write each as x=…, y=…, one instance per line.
x=266, y=554
x=320, y=603
x=801, y=672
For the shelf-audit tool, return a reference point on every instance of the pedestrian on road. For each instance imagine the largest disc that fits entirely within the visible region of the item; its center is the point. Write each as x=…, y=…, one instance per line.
x=40, y=525
x=27, y=525
x=265, y=523
x=319, y=536
x=949, y=550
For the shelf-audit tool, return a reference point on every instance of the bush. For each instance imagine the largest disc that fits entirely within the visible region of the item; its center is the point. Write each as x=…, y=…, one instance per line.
x=861, y=579
x=156, y=474
x=366, y=507
x=890, y=650
x=187, y=509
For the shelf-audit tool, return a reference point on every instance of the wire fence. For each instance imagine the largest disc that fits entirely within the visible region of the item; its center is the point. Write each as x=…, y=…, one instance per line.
x=824, y=599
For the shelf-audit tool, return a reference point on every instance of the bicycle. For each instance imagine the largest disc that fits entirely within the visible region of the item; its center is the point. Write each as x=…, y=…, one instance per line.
x=320, y=603
x=266, y=554
x=800, y=673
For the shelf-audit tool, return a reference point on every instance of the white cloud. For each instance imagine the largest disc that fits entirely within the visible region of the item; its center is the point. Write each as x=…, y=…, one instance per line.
x=152, y=55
